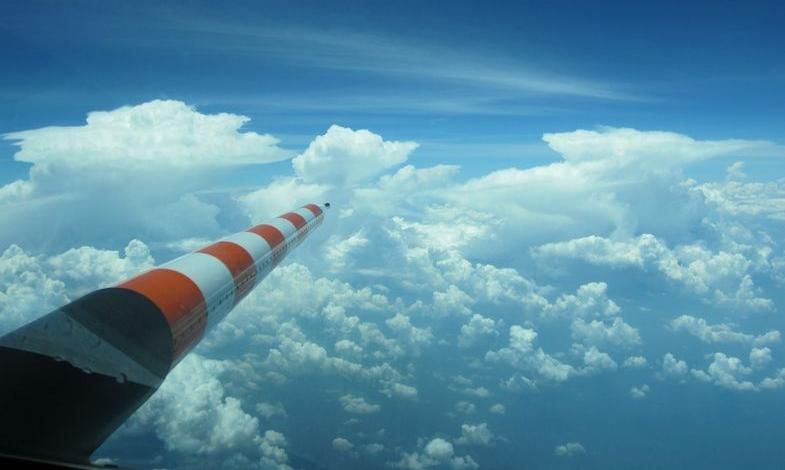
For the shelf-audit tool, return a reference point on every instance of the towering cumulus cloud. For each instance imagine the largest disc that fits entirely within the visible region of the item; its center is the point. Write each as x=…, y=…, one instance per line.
x=133, y=169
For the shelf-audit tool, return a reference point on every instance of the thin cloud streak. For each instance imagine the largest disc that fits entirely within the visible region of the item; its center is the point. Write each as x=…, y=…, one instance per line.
x=376, y=54
x=360, y=52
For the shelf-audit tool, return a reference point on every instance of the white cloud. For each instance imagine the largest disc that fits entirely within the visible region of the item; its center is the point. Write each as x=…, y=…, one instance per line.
x=400, y=276
x=280, y=196
x=639, y=392
x=748, y=199
x=477, y=328
x=727, y=372
x=596, y=360
x=760, y=357
x=465, y=407
x=26, y=289
x=479, y=392
x=415, y=337
x=720, y=333
x=498, y=409
x=87, y=268
x=192, y=415
x=337, y=250
x=673, y=367
x=736, y=171
x=436, y=452
x=570, y=449
x=521, y=354
x=345, y=156
x=358, y=405
x=463, y=463
x=348, y=347
x=635, y=362
x=721, y=277
x=272, y=447
x=775, y=382
x=439, y=449
x=270, y=410
x=373, y=448
x=475, y=434
x=654, y=150
x=589, y=301
x=342, y=445
x=31, y=286
x=400, y=390
x=599, y=333
x=85, y=183
x=159, y=133
x=452, y=301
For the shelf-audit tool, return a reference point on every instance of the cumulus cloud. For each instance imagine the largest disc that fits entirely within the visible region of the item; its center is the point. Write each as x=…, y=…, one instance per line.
x=639, y=392
x=620, y=147
x=720, y=277
x=193, y=415
x=343, y=155
x=760, y=357
x=475, y=434
x=635, y=362
x=400, y=390
x=726, y=371
x=280, y=196
x=673, y=367
x=498, y=409
x=415, y=337
x=132, y=171
x=721, y=332
x=358, y=405
x=342, y=445
x=33, y=285
x=748, y=199
x=271, y=410
x=465, y=407
x=159, y=133
x=522, y=354
x=598, y=333
x=412, y=255
x=475, y=329
x=589, y=301
x=439, y=449
x=775, y=382
x=570, y=449
x=596, y=360
x=373, y=448
x=27, y=290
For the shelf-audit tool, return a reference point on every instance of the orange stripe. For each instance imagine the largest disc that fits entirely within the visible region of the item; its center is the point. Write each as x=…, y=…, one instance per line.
x=179, y=299
x=296, y=219
x=238, y=261
x=313, y=208
x=272, y=235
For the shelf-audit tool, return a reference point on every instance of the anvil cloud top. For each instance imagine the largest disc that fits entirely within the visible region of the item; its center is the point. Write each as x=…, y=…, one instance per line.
x=73, y=376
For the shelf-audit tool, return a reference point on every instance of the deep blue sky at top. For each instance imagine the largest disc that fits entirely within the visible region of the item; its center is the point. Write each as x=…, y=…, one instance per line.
x=476, y=84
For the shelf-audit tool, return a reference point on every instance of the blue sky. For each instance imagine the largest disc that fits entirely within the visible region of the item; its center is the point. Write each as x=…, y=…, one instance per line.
x=556, y=235
x=494, y=78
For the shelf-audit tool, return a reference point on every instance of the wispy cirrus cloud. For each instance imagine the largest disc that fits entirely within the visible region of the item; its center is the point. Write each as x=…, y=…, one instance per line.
x=362, y=52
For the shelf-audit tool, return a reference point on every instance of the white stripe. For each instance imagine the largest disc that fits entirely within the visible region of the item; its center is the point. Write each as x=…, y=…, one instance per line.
x=214, y=280
x=316, y=221
x=254, y=244
x=305, y=213
x=287, y=228
x=257, y=247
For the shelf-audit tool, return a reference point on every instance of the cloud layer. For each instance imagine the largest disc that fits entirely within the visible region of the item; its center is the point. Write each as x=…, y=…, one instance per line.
x=431, y=304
